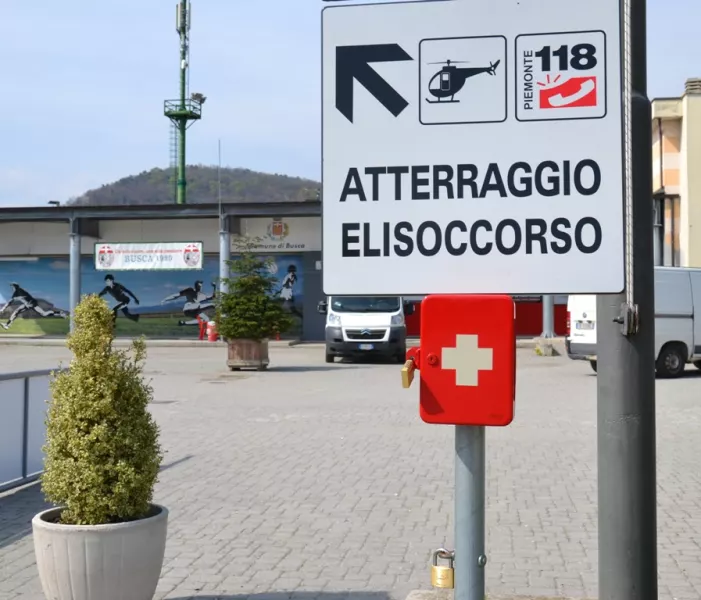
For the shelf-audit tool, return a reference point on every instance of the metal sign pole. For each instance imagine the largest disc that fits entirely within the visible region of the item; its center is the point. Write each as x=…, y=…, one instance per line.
x=626, y=366
x=470, y=557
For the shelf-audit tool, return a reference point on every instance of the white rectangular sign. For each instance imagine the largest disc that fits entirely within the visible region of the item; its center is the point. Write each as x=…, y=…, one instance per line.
x=294, y=234
x=473, y=147
x=146, y=256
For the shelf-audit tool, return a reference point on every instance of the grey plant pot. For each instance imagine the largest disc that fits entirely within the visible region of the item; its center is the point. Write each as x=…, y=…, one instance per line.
x=100, y=562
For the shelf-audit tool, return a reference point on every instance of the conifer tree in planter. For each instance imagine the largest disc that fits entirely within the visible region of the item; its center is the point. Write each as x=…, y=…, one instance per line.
x=247, y=312
x=106, y=539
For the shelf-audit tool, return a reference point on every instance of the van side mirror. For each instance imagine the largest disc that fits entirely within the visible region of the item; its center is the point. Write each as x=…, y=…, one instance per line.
x=322, y=307
x=409, y=309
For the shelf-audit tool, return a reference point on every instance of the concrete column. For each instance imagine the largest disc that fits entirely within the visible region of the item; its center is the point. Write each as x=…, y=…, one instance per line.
x=74, y=261
x=548, y=317
x=224, y=250
x=544, y=344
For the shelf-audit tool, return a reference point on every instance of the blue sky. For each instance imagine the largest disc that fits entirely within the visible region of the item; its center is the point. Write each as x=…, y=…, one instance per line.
x=84, y=84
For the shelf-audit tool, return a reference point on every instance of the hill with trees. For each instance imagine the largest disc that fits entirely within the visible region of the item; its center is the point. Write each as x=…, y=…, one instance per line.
x=157, y=186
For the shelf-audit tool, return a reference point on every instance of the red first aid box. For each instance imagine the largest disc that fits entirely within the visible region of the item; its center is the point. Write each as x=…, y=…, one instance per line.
x=467, y=360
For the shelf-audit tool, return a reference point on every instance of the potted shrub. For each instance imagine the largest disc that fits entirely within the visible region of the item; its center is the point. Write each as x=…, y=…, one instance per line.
x=105, y=539
x=248, y=313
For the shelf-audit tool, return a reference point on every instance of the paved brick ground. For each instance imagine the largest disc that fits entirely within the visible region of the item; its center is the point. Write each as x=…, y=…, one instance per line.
x=319, y=481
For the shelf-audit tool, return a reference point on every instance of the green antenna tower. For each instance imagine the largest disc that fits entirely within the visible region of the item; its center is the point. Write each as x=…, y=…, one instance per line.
x=184, y=111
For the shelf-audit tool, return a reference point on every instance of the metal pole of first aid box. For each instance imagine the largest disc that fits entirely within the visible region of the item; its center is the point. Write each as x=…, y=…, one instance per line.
x=470, y=557
x=626, y=366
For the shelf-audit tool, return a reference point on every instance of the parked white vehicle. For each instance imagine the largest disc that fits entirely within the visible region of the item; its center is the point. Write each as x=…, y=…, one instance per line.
x=365, y=325
x=677, y=322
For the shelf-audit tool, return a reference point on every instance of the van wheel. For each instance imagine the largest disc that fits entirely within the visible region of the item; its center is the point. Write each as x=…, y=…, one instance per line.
x=401, y=356
x=329, y=358
x=592, y=364
x=671, y=361
x=697, y=364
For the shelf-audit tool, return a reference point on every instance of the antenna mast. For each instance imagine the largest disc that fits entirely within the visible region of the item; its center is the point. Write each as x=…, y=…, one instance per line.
x=184, y=111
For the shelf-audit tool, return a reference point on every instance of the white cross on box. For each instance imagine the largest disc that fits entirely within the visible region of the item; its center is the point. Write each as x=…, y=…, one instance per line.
x=467, y=359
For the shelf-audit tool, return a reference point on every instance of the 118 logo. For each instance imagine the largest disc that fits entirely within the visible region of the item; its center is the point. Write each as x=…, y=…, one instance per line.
x=561, y=76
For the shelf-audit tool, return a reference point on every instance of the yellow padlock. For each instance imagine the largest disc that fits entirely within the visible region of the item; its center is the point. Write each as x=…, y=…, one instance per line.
x=408, y=373
x=443, y=576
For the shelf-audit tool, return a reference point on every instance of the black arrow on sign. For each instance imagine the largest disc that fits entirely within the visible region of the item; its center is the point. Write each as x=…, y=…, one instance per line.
x=352, y=62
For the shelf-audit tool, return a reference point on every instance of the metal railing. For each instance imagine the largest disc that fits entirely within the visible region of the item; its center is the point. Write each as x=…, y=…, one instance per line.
x=23, y=403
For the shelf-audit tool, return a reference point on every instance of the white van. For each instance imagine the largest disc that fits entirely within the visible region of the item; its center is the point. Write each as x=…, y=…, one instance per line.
x=677, y=322
x=362, y=325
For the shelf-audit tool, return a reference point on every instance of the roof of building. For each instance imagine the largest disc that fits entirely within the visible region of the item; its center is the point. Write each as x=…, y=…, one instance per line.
x=309, y=208
x=692, y=86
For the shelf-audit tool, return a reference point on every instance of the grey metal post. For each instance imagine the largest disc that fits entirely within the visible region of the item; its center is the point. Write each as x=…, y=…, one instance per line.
x=25, y=428
x=626, y=378
x=470, y=557
x=548, y=316
x=74, y=266
x=224, y=250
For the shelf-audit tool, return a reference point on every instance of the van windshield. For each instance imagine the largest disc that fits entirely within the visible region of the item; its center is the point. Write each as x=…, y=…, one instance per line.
x=365, y=304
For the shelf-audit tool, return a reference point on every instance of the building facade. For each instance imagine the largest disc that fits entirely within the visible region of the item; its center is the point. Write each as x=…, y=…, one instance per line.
x=676, y=157
x=35, y=279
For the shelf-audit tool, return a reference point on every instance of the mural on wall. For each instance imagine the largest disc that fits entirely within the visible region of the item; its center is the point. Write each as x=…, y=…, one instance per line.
x=22, y=301
x=34, y=296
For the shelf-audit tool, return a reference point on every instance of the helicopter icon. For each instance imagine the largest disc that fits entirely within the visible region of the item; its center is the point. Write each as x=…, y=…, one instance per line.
x=451, y=79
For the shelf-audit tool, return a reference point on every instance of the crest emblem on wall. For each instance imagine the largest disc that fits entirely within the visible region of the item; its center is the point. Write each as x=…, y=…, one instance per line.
x=278, y=230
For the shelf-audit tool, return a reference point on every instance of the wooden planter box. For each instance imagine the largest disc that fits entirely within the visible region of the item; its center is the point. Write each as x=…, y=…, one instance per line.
x=247, y=354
